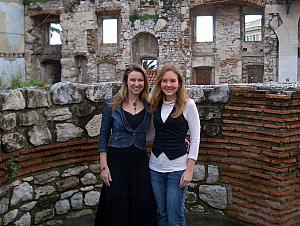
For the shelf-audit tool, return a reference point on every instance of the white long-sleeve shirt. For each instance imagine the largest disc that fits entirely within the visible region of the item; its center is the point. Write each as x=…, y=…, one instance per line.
x=190, y=113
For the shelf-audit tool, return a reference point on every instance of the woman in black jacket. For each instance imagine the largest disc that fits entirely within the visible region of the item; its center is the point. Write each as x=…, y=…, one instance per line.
x=126, y=197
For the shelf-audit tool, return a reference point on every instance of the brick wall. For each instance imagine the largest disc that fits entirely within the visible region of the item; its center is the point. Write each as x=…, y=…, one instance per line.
x=252, y=137
x=258, y=155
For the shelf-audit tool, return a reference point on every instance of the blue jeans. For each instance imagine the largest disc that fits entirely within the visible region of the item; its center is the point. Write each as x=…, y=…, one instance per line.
x=169, y=197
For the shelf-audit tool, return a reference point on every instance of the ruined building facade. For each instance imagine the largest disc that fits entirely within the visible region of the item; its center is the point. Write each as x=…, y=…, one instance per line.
x=163, y=31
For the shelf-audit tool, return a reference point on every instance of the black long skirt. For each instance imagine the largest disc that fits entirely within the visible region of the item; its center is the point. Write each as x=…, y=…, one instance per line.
x=129, y=200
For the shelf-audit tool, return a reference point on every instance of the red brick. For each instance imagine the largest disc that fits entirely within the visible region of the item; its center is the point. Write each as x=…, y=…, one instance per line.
x=282, y=193
x=261, y=138
x=229, y=147
x=283, y=161
x=277, y=155
x=240, y=142
x=282, y=207
x=286, y=148
x=232, y=122
x=252, y=165
x=265, y=118
x=248, y=149
x=235, y=108
x=261, y=158
x=260, y=175
x=215, y=140
x=237, y=169
x=278, y=96
x=246, y=205
x=274, y=169
x=230, y=134
x=250, y=193
x=217, y=153
x=31, y=163
x=237, y=154
x=210, y=145
x=275, y=111
x=93, y=146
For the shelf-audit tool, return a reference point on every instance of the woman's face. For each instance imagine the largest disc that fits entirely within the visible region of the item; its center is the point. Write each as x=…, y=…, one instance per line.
x=169, y=85
x=135, y=83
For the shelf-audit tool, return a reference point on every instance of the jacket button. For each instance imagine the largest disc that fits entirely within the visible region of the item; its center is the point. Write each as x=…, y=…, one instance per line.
x=133, y=134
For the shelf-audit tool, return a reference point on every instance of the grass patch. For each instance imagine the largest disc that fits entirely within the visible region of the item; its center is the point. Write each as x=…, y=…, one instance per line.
x=17, y=83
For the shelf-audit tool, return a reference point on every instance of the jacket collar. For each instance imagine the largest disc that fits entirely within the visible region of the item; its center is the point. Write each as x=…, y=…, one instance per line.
x=126, y=123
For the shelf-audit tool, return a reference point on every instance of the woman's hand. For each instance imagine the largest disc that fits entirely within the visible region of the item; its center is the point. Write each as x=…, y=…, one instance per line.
x=187, y=145
x=105, y=175
x=186, y=178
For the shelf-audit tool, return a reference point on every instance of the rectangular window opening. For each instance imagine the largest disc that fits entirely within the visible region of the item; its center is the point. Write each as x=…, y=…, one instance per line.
x=253, y=28
x=110, y=30
x=204, y=29
x=55, y=34
x=149, y=64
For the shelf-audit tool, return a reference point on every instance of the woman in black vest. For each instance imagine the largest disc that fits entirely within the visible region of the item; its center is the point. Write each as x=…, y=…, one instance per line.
x=171, y=164
x=126, y=197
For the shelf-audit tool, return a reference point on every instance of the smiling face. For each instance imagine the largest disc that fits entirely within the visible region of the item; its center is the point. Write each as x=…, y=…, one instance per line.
x=169, y=85
x=135, y=83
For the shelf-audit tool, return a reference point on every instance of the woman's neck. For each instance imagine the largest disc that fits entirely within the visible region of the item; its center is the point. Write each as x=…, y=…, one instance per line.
x=169, y=99
x=133, y=98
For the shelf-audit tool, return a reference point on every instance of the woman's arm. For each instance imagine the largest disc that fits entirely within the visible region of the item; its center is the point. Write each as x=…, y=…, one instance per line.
x=104, y=137
x=104, y=170
x=192, y=117
x=105, y=129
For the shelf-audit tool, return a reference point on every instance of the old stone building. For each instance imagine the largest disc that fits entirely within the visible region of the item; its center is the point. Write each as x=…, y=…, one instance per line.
x=211, y=41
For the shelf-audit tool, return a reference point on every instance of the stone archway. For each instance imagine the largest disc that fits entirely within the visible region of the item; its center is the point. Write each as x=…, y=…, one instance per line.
x=144, y=45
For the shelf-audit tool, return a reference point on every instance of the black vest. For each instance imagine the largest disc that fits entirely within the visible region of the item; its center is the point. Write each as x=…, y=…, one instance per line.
x=169, y=136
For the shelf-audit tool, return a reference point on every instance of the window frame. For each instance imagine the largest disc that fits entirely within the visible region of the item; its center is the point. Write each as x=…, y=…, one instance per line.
x=213, y=27
x=49, y=34
x=245, y=38
x=101, y=28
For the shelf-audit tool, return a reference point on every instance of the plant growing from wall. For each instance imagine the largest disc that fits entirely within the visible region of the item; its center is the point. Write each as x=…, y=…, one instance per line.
x=28, y=2
x=136, y=16
x=167, y=4
x=11, y=169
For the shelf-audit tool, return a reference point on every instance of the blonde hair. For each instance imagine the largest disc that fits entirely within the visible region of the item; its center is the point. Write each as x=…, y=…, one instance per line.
x=122, y=94
x=158, y=95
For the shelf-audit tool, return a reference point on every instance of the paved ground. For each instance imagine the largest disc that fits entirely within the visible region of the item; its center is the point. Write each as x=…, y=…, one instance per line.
x=192, y=220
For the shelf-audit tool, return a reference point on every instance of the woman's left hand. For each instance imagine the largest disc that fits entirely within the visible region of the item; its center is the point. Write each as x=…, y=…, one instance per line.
x=186, y=178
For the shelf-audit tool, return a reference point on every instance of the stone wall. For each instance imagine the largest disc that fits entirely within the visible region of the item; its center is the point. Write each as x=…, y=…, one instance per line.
x=12, y=42
x=248, y=164
x=170, y=23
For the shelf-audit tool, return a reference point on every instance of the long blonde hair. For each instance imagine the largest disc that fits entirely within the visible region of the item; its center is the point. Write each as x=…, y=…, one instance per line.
x=158, y=96
x=122, y=94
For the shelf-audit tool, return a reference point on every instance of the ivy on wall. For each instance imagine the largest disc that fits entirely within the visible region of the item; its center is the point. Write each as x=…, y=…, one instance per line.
x=136, y=16
x=167, y=4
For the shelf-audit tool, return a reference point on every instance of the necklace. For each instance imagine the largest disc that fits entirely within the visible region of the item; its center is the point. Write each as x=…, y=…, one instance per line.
x=134, y=104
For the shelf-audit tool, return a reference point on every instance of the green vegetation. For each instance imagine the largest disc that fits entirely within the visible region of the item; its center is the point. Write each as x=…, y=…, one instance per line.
x=12, y=169
x=28, y=2
x=17, y=83
x=136, y=16
x=167, y=4
x=151, y=2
